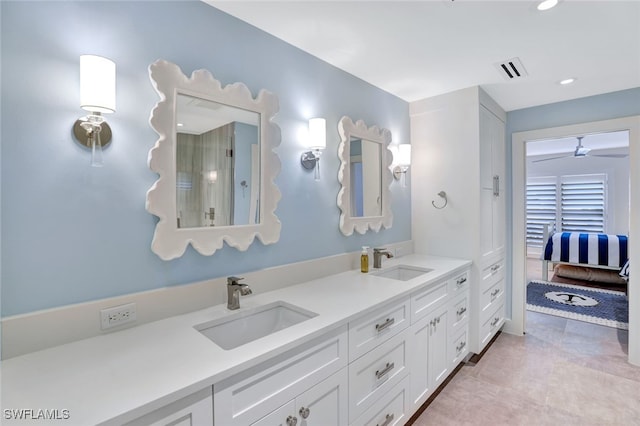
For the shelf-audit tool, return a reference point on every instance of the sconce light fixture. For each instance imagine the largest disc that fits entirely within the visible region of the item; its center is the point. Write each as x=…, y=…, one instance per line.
x=317, y=142
x=97, y=96
x=402, y=163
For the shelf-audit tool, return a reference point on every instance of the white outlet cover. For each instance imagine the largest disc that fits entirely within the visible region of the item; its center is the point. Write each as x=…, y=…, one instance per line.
x=117, y=316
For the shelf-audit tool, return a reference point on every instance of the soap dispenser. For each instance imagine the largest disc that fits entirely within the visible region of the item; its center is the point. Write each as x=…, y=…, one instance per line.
x=364, y=260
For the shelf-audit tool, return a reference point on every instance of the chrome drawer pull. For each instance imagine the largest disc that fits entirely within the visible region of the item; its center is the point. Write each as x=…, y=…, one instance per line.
x=494, y=268
x=495, y=321
x=381, y=373
x=494, y=293
x=387, y=420
x=388, y=323
x=304, y=412
x=292, y=421
x=461, y=311
x=461, y=281
x=460, y=347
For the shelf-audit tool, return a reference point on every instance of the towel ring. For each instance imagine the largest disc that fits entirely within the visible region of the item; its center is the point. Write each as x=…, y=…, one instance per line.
x=443, y=195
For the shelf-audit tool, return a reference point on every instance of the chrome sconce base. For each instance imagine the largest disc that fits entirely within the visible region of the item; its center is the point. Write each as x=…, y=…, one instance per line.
x=309, y=160
x=398, y=172
x=84, y=137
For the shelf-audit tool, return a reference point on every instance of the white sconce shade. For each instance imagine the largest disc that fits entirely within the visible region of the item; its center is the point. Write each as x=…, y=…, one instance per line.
x=402, y=162
x=317, y=133
x=98, y=96
x=97, y=84
x=404, y=155
x=317, y=142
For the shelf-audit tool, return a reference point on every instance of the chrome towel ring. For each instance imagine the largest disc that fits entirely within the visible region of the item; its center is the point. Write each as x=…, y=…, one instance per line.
x=442, y=195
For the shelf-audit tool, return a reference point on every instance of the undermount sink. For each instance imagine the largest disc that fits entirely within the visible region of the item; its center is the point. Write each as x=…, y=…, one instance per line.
x=244, y=327
x=402, y=272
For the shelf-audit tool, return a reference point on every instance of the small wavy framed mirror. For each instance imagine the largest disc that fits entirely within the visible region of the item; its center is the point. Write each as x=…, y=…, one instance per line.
x=216, y=164
x=364, y=198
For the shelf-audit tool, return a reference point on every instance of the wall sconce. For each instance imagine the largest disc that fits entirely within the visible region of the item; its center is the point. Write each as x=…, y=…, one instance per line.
x=98, y=96
x=317, y=142
x=212, y=176
x=402, y=163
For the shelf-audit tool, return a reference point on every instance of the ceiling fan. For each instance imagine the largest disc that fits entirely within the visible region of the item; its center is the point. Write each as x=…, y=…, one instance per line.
x=582, y=151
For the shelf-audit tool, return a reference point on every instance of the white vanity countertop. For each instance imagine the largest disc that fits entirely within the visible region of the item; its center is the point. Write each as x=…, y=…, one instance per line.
x=120, y=376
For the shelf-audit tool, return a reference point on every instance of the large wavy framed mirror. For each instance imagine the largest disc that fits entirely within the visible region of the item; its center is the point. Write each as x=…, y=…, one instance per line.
x=215, y=161
x=364, y=198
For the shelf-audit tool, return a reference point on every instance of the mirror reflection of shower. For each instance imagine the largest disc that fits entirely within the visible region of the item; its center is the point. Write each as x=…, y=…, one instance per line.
x=216, y=143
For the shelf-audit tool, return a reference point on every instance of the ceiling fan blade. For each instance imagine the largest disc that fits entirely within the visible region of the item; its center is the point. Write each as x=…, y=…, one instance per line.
x=552, y=158
x=609, y=155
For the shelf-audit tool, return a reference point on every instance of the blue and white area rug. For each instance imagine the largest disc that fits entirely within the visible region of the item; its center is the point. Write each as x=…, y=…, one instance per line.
x=595, y=305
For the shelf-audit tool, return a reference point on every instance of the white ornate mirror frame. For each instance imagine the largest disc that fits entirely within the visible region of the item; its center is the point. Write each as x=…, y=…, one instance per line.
x=169, y=241
x=348, y=223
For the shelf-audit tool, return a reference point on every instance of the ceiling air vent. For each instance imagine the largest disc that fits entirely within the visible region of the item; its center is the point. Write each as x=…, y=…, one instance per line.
x=512, y=69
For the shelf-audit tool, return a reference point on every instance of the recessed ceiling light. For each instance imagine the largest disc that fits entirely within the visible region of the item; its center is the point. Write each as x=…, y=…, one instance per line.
x=180, y=124
x=567, y=81
x=547, y=4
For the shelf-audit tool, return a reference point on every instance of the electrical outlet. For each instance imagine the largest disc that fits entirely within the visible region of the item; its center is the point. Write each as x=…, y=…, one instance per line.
x=118, y=315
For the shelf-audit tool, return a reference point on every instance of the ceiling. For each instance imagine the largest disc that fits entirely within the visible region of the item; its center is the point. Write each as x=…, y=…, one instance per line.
x=599, y=143
x=419, y=49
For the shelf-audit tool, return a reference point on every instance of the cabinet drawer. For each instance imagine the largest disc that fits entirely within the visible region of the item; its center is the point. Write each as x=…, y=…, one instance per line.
x=459, y=347
x=392, y=409
x=254, y=393
x=369, y=331
x=376, y=373
x=491, y=325
x=426, y=300
x=491, y=297
x=459, y=283
x=491, y=274
x=459, y=315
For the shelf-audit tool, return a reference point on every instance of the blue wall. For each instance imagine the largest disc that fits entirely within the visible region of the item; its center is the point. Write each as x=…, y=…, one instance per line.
x=72, y=233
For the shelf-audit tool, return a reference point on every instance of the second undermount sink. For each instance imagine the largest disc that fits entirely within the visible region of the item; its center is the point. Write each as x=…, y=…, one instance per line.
x=402, y=272
x=244, y=327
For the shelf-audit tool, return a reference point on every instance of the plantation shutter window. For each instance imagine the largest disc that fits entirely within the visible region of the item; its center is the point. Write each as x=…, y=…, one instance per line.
x=583, y=203
x=573, y=203
x=541, y=207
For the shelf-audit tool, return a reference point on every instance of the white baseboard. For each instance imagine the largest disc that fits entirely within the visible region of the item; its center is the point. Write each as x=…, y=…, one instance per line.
x=39, y=330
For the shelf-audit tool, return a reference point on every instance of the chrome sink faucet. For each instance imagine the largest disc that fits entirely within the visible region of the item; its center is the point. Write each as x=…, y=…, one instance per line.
x=234, y=290
x=377, y=256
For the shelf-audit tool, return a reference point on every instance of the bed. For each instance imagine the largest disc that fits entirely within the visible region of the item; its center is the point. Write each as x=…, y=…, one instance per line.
x=593, y=250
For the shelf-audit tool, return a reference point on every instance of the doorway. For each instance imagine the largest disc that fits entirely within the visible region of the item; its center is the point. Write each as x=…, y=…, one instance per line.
x=518, y=232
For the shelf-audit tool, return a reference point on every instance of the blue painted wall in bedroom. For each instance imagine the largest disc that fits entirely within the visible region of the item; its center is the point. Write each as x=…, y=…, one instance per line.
x=72, y=233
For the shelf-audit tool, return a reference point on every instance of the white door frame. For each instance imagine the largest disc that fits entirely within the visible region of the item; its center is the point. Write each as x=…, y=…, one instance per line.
x=518, y=252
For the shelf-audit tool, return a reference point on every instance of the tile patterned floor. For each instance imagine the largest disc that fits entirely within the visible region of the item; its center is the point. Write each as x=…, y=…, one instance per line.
x=562, y=373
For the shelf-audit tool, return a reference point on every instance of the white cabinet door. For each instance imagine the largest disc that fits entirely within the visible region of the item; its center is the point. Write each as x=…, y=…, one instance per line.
x=428, y=355
x=282, y=416
x=324, y=404
x=438, y=365
x=420, y=388
x=492, y=178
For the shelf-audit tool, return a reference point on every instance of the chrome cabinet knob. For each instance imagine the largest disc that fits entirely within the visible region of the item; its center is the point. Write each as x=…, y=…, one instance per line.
x=292, y=421
x=304, y=412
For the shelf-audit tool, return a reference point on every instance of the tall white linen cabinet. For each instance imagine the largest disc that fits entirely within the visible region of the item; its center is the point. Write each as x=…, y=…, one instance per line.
x=458, y=146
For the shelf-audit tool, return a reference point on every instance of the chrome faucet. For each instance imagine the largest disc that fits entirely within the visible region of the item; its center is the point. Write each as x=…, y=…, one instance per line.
x=234, y=290
x=377, y=256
